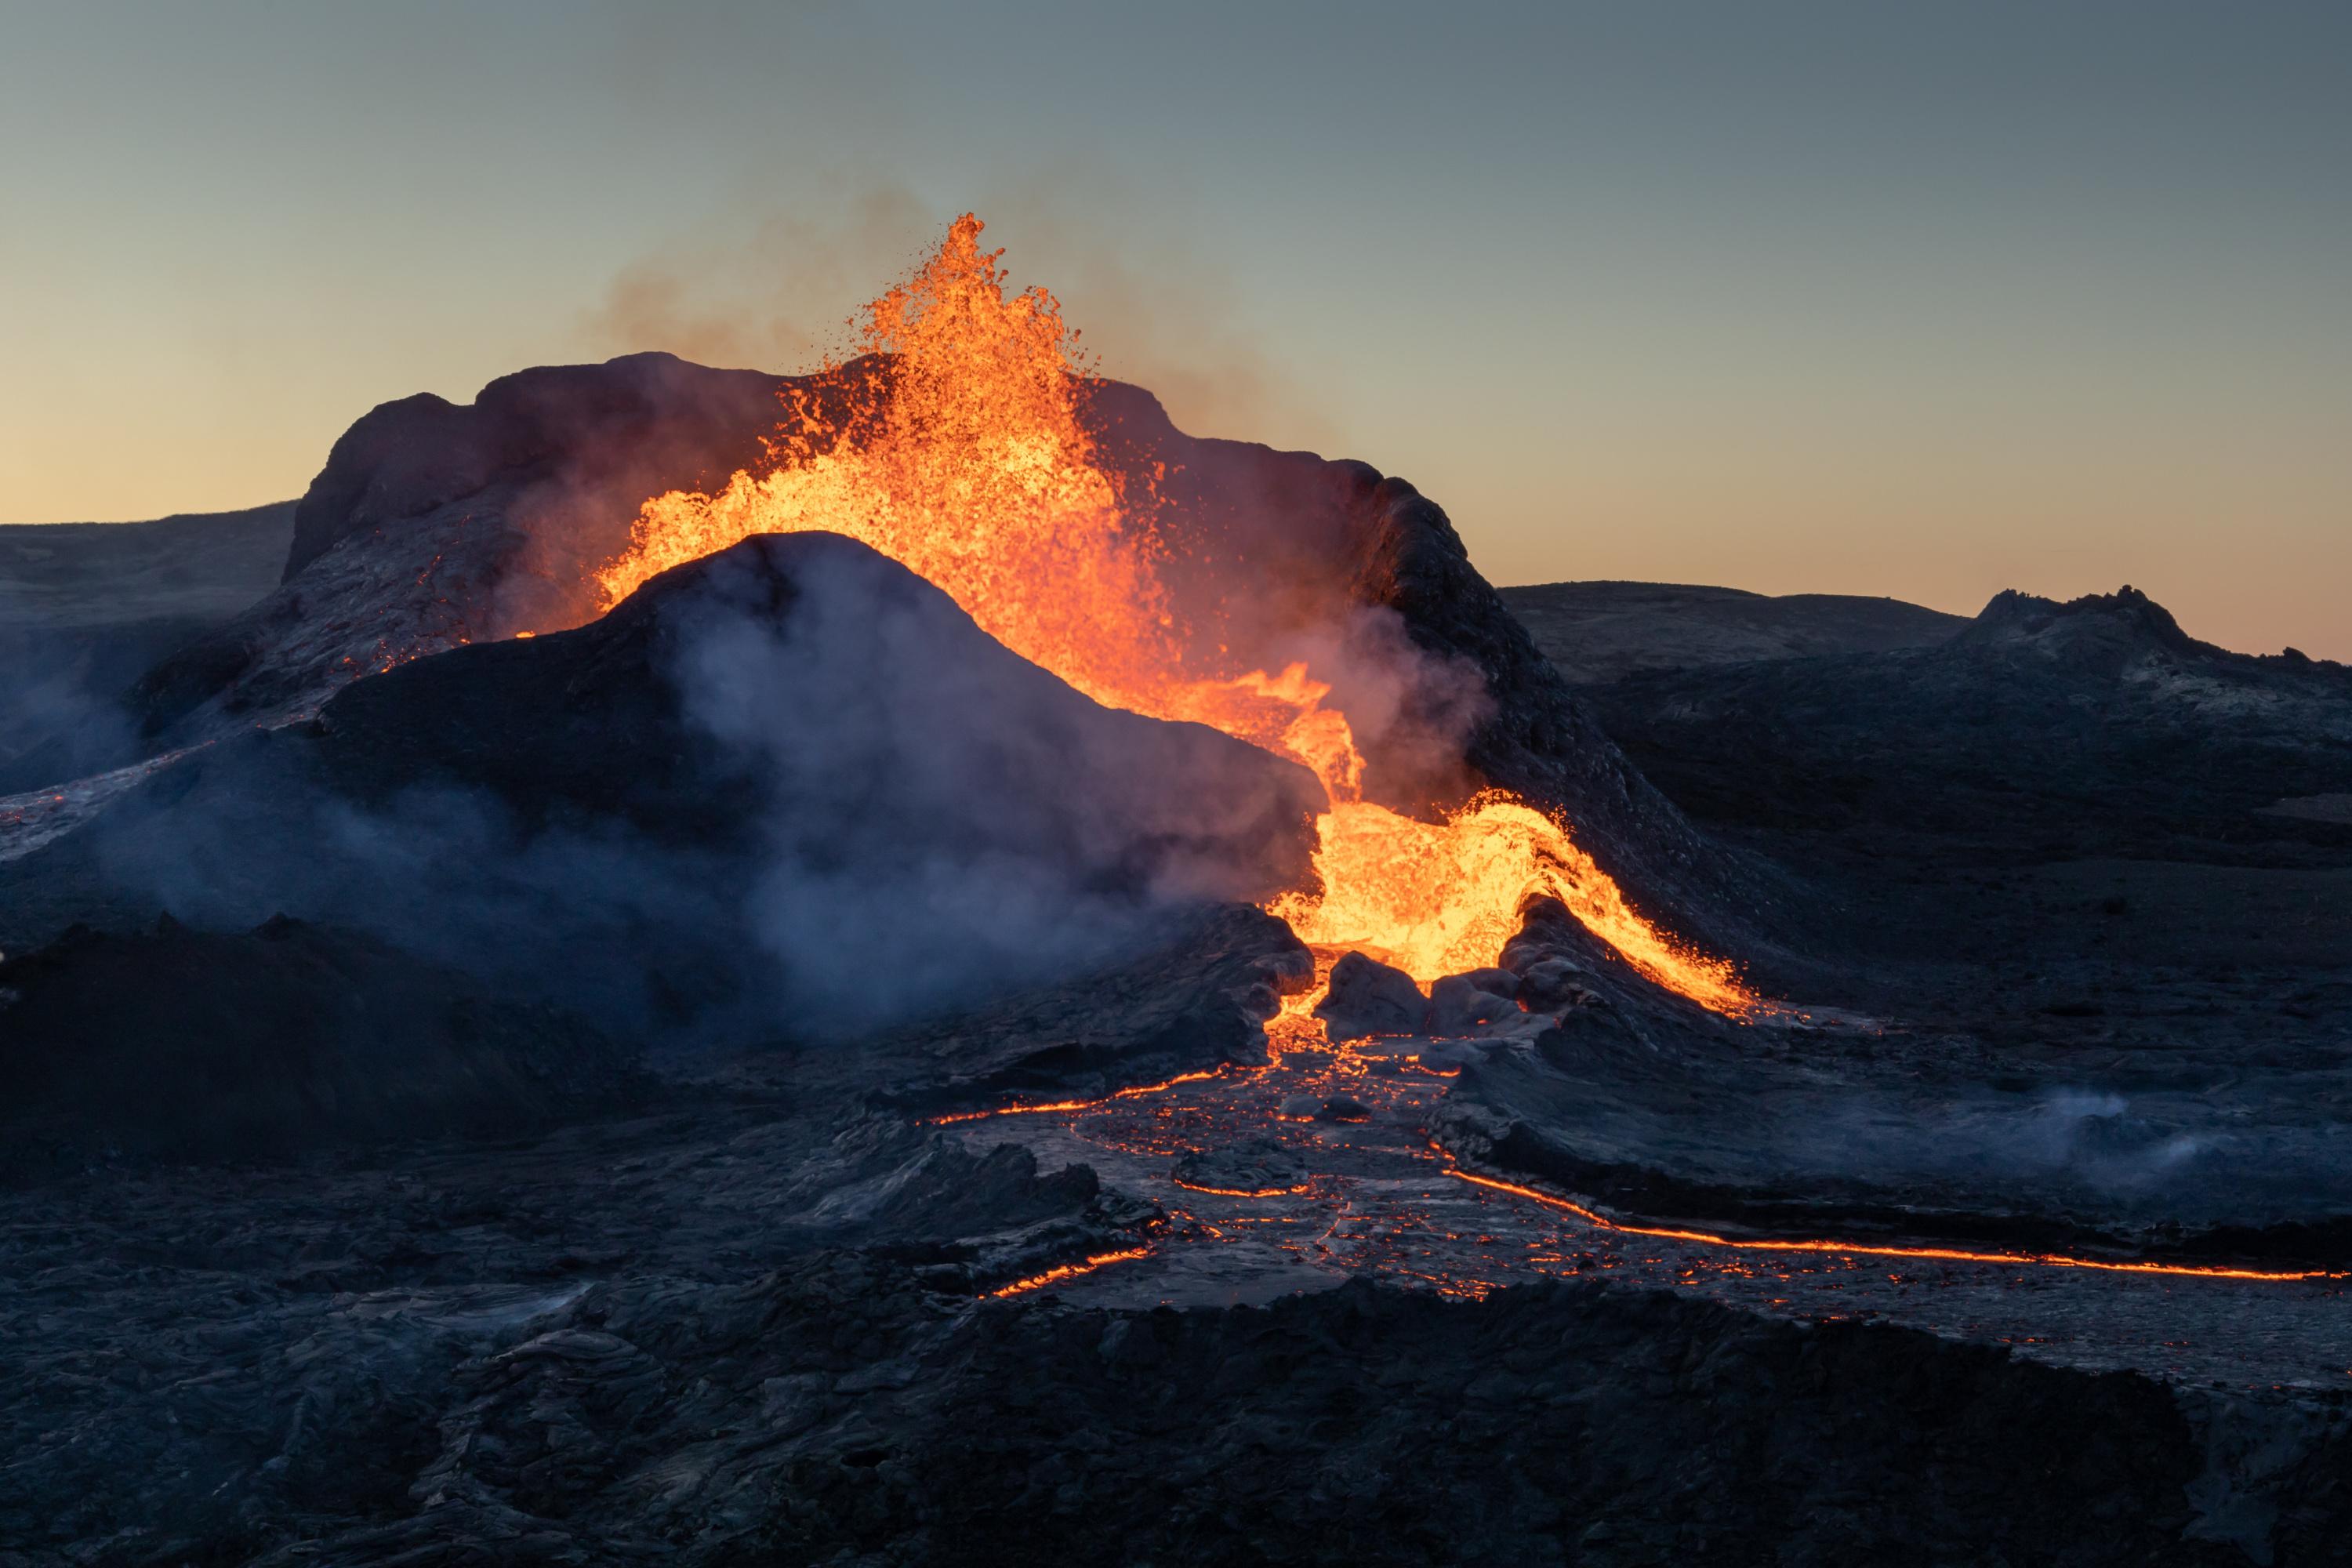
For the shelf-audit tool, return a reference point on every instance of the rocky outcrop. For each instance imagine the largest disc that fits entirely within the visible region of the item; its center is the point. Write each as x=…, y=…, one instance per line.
x=436, y=524
x=784, y=760
x=794, y=757
x=1368, y=997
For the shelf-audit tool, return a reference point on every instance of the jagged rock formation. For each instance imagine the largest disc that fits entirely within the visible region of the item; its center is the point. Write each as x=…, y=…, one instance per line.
x=436, y=524
x=1198, y=1000
x=831, y=1408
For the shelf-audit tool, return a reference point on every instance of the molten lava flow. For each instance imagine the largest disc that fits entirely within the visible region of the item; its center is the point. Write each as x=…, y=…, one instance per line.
x=1881, y=1249
x=1037, y=1108
x=959, y=451
x=1070, y=1271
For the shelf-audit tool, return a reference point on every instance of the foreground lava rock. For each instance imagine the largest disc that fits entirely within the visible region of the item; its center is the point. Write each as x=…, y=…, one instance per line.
x=832, y=1408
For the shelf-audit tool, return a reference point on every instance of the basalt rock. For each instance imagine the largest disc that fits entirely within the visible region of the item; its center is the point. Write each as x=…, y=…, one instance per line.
x=835, y=1410
x=1194, y=1001
x=1367, y=997
x=1463, y=1004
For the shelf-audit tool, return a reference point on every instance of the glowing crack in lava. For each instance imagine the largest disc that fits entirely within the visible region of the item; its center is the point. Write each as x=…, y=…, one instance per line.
x=958, y=450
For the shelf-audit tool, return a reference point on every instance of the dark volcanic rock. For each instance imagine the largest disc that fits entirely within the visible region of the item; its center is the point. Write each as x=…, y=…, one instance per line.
x=1258, y=1165
x=891, y=717
x=833, y=1410
x=1367, y=997
x=1197, y=1000
x=629, y=429
x=189, y=1045
x=1461, y=1003
x=433, y=525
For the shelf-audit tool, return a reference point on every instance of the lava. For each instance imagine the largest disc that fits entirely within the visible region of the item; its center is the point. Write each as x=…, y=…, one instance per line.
x=1055, y=1275
x=1036, y=1108
x=1879, y=1249
x=1246, y=1104
x=955, y=446
x=1244, y=1192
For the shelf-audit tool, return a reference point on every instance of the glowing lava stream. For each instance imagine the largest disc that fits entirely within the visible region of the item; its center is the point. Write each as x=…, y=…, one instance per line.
x=1872, y=1250
x=958, y=450
x=954, y=1117
x=1070, y=1271
x=1601, y=1222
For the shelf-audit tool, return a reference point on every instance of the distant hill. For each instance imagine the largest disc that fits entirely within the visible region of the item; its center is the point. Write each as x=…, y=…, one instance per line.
x=87, y=607
x=194, y=567
x=2095, y=726
x=1601, y=632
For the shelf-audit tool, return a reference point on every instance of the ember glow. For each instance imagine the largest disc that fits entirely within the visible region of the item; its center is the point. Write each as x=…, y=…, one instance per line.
x=956, y=447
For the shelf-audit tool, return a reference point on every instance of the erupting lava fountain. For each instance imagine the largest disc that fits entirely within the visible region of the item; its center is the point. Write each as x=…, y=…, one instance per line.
x=957, y=446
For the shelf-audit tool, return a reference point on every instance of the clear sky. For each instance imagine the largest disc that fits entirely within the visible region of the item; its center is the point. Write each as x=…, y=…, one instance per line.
x=1919, y=300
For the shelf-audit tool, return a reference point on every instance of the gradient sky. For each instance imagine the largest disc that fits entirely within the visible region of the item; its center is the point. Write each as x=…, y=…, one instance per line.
x=1927, y=300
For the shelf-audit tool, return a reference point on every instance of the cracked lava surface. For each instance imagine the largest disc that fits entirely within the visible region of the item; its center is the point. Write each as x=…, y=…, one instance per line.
x=1376, y=1196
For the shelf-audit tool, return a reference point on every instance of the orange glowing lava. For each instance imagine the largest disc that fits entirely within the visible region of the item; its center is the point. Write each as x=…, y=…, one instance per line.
x=1070, y=1271
x=959, y=450
x=1043, y=1106
x=1290, y=1191
x=1875, y=1250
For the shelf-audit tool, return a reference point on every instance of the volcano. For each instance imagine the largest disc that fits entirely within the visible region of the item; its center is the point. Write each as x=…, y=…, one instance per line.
x=1314, y=608
x=908, y=963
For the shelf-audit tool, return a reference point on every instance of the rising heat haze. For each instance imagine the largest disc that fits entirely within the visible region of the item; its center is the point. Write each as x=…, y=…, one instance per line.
x=963, y=455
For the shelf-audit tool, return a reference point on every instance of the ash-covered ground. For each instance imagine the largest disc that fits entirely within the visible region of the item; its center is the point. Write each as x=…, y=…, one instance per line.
x=768, y=1074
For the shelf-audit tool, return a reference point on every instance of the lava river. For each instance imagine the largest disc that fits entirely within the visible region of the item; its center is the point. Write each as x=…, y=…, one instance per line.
x=1342, y=1179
